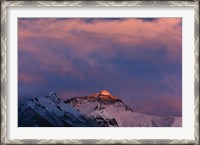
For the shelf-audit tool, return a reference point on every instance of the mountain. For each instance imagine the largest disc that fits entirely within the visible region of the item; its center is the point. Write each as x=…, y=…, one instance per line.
x=50, y=111
x=97, y=110
x=109, y=110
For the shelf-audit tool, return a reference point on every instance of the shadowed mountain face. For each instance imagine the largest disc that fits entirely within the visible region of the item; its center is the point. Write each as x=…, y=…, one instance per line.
x=50, y=111
x=96, y=110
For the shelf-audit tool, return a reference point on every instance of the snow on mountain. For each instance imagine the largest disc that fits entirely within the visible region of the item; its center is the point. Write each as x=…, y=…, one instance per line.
x=50, y=111
x=109, y=110
x=97, y=110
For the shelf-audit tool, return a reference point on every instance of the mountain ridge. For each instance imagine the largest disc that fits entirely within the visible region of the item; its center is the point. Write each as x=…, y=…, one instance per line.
x=100, y=109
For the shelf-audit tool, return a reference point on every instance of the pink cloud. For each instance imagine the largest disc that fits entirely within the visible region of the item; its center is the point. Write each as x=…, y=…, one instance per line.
x=29, y=78
x=87, y=38
x=164, y=104
x=134, y=32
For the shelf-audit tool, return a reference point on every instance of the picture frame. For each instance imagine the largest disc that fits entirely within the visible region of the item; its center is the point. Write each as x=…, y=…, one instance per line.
x=5, y=5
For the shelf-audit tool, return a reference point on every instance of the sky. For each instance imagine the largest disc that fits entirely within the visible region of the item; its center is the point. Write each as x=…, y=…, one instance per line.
x=139, y=60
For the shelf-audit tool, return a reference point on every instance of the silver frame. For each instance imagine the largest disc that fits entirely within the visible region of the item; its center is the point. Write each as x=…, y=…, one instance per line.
x=5, y=4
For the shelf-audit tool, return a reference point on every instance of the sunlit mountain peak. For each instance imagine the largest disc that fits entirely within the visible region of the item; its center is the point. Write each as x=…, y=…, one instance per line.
x=105, y=93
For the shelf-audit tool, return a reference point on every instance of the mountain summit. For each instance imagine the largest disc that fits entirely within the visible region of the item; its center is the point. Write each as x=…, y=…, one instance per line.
x=105, y=95
x=98, y=106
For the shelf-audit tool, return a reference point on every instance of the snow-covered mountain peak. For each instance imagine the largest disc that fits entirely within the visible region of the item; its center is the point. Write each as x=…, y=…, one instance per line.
x=53, y=94
x=105, y=95
x=51, y=111
x=53, y=97
x=105, y=92
x=102, y=106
